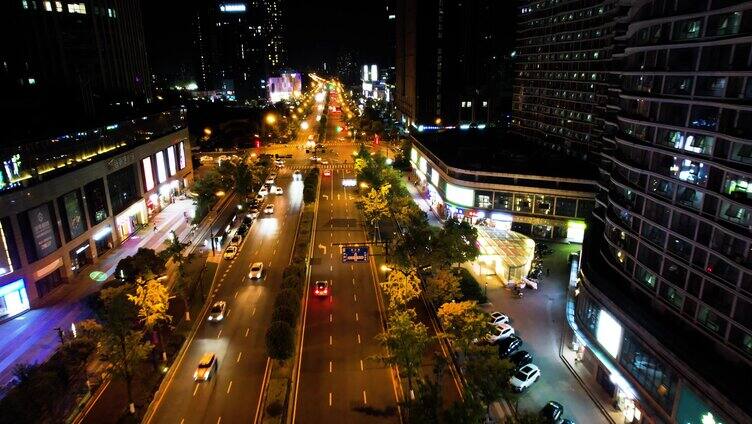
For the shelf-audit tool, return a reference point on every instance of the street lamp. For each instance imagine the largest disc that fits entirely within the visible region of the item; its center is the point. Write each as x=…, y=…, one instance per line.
x=270, y=119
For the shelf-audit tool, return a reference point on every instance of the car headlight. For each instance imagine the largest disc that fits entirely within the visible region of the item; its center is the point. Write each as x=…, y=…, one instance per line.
x=195, y=375
x=211, y=317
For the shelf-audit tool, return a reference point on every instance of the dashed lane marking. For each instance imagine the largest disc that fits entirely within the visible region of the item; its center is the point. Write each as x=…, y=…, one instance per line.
x=361, y=365
x=356, y=316
x=330, y=398
x=240, y=354
x=219, y=334
x=195, y=390
x=254, y=312
x=330, y=340
x=229, y=387
x=358, y=338
x=330, y=366
x=330, y=317
x=236, y=294
x=247, y=330
x=365, y=400
x=355, y=297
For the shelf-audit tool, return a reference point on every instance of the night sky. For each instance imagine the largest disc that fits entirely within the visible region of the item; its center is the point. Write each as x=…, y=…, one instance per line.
x=316, y=31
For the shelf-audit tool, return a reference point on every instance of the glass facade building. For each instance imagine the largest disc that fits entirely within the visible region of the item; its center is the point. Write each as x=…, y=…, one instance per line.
x=669, y=244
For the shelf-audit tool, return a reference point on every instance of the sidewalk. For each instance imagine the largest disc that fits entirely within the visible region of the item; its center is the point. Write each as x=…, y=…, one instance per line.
x=32, y=338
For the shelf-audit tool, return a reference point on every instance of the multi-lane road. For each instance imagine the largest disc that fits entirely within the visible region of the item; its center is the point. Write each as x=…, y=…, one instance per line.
x=339, y=378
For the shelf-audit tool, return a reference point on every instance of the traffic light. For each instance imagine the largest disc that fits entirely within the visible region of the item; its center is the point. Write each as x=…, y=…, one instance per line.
x=258, y=143
x=376, y=139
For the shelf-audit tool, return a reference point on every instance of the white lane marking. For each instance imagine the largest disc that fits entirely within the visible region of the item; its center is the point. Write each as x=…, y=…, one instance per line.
x=236, y=294
x=361, y=365
x=330, y=366
x=331, y=268
x=356, y=316
x=365, y=400
x=254, y=312
x=195, y=390
x=220, y=333
x=330, y=317
x=270, y=263
x=229, y=387
x=348, y=235
x=273, y=253
x=330, y=255
x=182, y=420
x=240, y=354
x=358, y=338
x=219, y=420
x=353, y=281
x=246, y=331
x=351, y=268
x=228, y=313
x=330, y=398
x=330, y=340
x=355, y=296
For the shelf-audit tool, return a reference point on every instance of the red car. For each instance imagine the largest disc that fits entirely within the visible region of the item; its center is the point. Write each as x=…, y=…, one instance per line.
x=327, y=172
x=321, y=288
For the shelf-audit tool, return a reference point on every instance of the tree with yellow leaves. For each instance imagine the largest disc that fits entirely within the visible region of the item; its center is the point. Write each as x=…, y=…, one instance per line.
x=152, y=299
x=463, y=323
x=442, y=286
x=401, y=288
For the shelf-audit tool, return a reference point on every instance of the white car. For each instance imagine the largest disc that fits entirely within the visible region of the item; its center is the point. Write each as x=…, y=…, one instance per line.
x=498, y=318
x=257, y=268
x=253, y=213
x=297, y=176
x=217, y=311
x=524, y=377
x=272, y=176
x=230, y=252
x=207, y=159
x=269, y=209
x=236, y=240
x=277, y=190
x=499, y=333
x=269, y=180
x=206, y=367
x=324, y=162
x=263, y=191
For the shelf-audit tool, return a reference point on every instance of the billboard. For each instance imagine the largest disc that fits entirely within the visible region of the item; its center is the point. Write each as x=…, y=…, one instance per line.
x=42, y=231
x=355, y=254
x=73, y=214
x=285, y=86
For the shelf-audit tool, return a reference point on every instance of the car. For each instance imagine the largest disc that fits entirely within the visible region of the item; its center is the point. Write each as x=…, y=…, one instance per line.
x=552, y=411
x=509, y=345
x=230, y=252
x=257, y=268
x=242, y=230
x=499, y=332
x=217, y=311
x=524, y=377
x=207, y=366
x=297, y=176
x=206, y=158
x=277, y=190
x=327, y=172
x=253, y=213
x=521, y=358
x=279, y=162
x=315, y=159
x=247, y=219
x=324, y=162
x=236, y=240
x=269, y=209
x=269, y=181
x=321, y=288
x=272, y=176
x=263, y=191
x=498, y=318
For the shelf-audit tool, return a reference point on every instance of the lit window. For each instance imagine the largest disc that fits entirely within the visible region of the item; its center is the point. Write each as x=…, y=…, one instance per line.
x=59, y=6
x=485, y=104
x=48, y=6
x=32, y=81
x=24, y=4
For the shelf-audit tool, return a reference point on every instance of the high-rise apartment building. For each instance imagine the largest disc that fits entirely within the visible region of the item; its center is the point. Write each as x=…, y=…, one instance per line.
x=659, y=92
x=65, y=64
x=238, y=45
x=447, y=53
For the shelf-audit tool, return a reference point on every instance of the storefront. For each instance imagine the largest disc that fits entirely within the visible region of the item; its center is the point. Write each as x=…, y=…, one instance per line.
x=13, y=299
x=49, y=278
x=167, y=193
x=130, y=220
x=103, y=240
x=80, y=257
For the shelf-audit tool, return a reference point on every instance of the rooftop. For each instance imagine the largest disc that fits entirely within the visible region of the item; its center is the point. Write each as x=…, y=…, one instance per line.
x=495, y=150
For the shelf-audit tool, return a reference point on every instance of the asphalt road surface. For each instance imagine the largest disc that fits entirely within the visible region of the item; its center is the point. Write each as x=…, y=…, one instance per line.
x=340, y=380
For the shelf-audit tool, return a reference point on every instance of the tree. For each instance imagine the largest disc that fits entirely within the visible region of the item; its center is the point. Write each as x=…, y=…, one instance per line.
x=152, y=299
x=526, y=417
x=280, y=341
x=144, y=264
x=458, y=241
x=442, y=286
x=463, y=323
x=487, y=374
x=374, y=205
x=174, y=252
x=205, y=189
x=468, y=411
x=401, y=288
x=405, y=341
x=119, y=343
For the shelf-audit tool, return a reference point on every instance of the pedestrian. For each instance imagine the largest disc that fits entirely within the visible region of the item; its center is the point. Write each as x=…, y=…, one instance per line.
x=155, y=227
x=548, y=272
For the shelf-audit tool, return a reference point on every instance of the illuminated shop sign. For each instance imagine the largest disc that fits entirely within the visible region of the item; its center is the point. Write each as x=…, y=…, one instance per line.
x=232, y=8
x=148, y=173
x=459, y=195
x=609, y=333
x=42, y=231
x=73, y=214
x=181, y=155
x=161, y=172
x=171, y=160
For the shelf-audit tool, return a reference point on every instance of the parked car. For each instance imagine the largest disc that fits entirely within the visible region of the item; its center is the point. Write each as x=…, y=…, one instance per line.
x=552, y=412
x=207, y=366
x=524, y=377
x=499, y=332
x=509, y=345
x=217, y=311
x=242, y=230
x=498, y=318
x=327, y=172
x=257, y=269
x=277, y=190
x=230, y=252
x=269, y=209
x=253, y=213
x=321, y=288
x=263, y=192
x=247, y=219
x=236, y=240
x=521, y=358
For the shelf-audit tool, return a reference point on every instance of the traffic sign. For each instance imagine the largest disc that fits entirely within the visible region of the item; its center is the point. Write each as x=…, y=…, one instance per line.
x=355, y=254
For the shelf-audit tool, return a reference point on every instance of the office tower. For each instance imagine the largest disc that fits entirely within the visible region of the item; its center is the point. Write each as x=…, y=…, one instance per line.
x=446, y=54
x=238, y=45
x=66, y=64
x=660, y=90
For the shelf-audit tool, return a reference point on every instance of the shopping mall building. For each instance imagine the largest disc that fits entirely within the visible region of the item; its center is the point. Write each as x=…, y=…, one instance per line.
x=477, y=175
x=66, y=201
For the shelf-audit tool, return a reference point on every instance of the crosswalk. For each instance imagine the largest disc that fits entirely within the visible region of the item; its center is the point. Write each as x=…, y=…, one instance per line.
x=346, y=166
